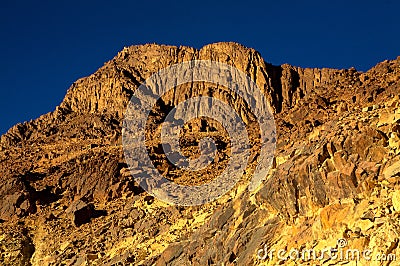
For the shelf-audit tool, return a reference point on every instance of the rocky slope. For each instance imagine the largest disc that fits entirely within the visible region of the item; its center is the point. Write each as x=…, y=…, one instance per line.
x=67, y=196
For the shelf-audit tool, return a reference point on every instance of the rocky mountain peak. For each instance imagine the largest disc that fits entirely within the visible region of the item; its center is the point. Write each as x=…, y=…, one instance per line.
x=109, y=89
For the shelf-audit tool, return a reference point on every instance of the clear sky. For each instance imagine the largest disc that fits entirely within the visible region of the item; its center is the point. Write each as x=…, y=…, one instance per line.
x=46, y=45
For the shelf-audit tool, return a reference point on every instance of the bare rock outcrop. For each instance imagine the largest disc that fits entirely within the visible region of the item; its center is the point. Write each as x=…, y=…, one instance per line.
x=67, y=196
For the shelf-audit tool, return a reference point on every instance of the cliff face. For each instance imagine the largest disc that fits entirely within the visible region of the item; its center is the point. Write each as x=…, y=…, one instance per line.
x=110, y=88
x=67, y=195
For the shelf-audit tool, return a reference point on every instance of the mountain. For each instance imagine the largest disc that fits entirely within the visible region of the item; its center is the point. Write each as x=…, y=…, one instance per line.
x=67, y=196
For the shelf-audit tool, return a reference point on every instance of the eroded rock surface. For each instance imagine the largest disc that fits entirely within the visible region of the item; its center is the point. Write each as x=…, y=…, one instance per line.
x=67, y=196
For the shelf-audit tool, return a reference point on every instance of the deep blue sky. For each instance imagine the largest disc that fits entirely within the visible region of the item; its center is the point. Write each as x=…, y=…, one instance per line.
x=46, y=45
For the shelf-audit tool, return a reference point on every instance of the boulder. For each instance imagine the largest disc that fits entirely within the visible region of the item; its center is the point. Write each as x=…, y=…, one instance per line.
x=392, y=170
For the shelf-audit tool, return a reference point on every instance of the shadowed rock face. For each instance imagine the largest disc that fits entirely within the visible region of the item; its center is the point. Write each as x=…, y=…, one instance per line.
x=67, y=196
